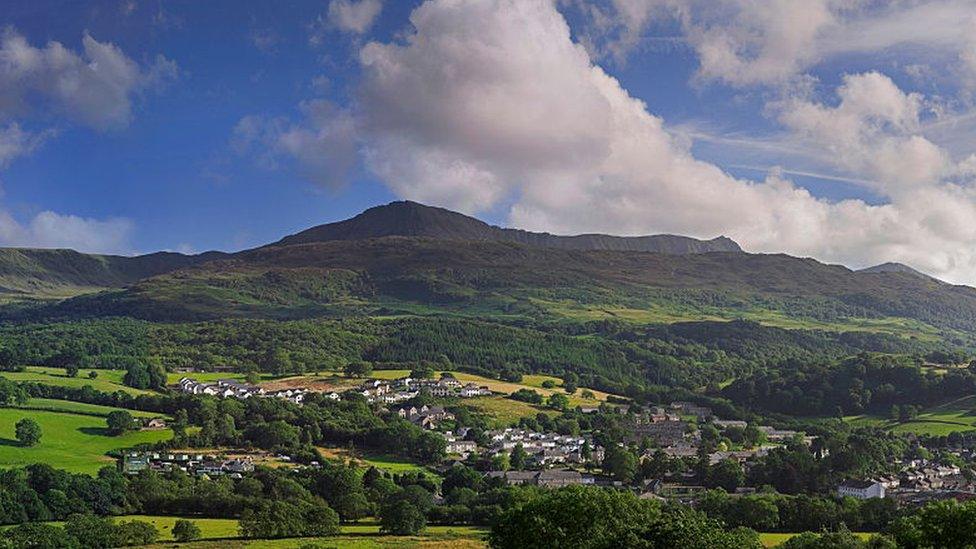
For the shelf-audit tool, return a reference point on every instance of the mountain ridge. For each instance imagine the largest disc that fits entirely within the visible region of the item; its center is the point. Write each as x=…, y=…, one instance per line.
x=412, y=219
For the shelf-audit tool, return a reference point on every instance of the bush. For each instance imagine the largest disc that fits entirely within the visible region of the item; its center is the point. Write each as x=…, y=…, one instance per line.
x=185, y=530
x=28, y=432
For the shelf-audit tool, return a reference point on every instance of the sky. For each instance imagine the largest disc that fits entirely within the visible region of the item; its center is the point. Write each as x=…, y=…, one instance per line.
x=839, y=130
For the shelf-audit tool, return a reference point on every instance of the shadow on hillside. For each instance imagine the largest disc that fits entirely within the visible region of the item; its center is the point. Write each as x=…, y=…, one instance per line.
x=95, y=431
x=11, y=442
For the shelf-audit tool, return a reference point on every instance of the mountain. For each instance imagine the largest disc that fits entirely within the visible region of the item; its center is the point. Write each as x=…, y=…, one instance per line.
x=30, y=272
x=410, y=219
x=892, y=267
x=409, y=259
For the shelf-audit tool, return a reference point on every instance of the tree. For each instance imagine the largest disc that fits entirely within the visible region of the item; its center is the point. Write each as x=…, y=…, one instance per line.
x=518, y=457
x=358, y=368
x=402, y=518
x=595, y=518
x=180, y=422
x=226, y=429
x=92, y=374
x=119, y=422
x=526, y=395
x=271, y=519
x=133, y=532
x=278, y=362
x=11, y=393
x=500, y=462
x=185, y=530
x=938, y=524
x=727, y=474
x=71, y=370
x=570, y=382
x=28, y=432
x=422, y=371
x=558, y=401
x=320, y=520
x=145, y=376
x=95, y=532
x=39, y=536
x=620, y=463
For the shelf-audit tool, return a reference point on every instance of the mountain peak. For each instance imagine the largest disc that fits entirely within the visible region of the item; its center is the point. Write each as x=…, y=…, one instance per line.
x=893, y=267
x=412, y=219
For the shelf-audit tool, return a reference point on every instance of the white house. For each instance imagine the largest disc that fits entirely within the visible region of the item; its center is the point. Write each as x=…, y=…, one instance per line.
x=861, y=489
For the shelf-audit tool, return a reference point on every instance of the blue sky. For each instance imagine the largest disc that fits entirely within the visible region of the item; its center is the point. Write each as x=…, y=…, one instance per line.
x=814, y=127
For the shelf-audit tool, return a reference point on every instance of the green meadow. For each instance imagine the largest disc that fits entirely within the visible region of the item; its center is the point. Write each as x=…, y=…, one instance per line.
x=955, y=416
x=70, y=407
x=107, y=381
x=774, y=539
x=223, y=534
x=74, y=442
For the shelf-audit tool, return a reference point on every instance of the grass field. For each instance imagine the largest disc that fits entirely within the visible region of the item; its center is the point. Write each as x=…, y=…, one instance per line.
x=367, y=459
x=108, y=381
x=504, y=411
x=774, y=539
x=433, y=538
x=954, y=416
x=52, y=405
x=223, y=534
x=76, y=443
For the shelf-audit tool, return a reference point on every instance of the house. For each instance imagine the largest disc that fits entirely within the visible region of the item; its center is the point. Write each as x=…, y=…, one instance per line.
x=556, y=478
x=730, y=424
x=861, y=489
x=662, y=433
x=154, y=423
x=473, y=390
x=463, y=448
x=553, y=478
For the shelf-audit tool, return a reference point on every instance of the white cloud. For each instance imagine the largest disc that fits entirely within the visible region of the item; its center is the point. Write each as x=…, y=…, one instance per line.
x=323, y=145
x=355, y=16
x=16, y=142
x=52, y=230
x=95, y=88
x=490, y=102
x=874, y=130
x=753, y=42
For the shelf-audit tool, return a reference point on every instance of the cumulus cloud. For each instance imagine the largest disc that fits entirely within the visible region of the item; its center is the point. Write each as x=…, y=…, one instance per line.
x=355, y=16
x=874, y=130
x=491, y=102
x=95, y=87
x=52, y=230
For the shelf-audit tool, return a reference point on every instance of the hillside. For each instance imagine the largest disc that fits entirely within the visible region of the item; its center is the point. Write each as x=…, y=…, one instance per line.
x=454, y=264
x=892, y=267
x=396, y=275
x=52, y=272
x=410, y=219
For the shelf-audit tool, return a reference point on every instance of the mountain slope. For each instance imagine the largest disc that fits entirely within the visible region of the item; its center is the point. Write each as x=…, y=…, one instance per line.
x=397, y=275
x=892, y=267
x=411, y=219
x=30, y=272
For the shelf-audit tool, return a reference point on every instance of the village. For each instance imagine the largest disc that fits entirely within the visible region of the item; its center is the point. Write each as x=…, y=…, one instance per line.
x=554, y=459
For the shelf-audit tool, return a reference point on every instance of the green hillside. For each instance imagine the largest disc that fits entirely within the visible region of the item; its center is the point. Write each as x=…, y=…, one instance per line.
x=396, y=276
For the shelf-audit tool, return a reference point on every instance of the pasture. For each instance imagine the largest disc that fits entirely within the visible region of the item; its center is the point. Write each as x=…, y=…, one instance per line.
x=74, y=442
x=954, y=416
x=107, y=381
